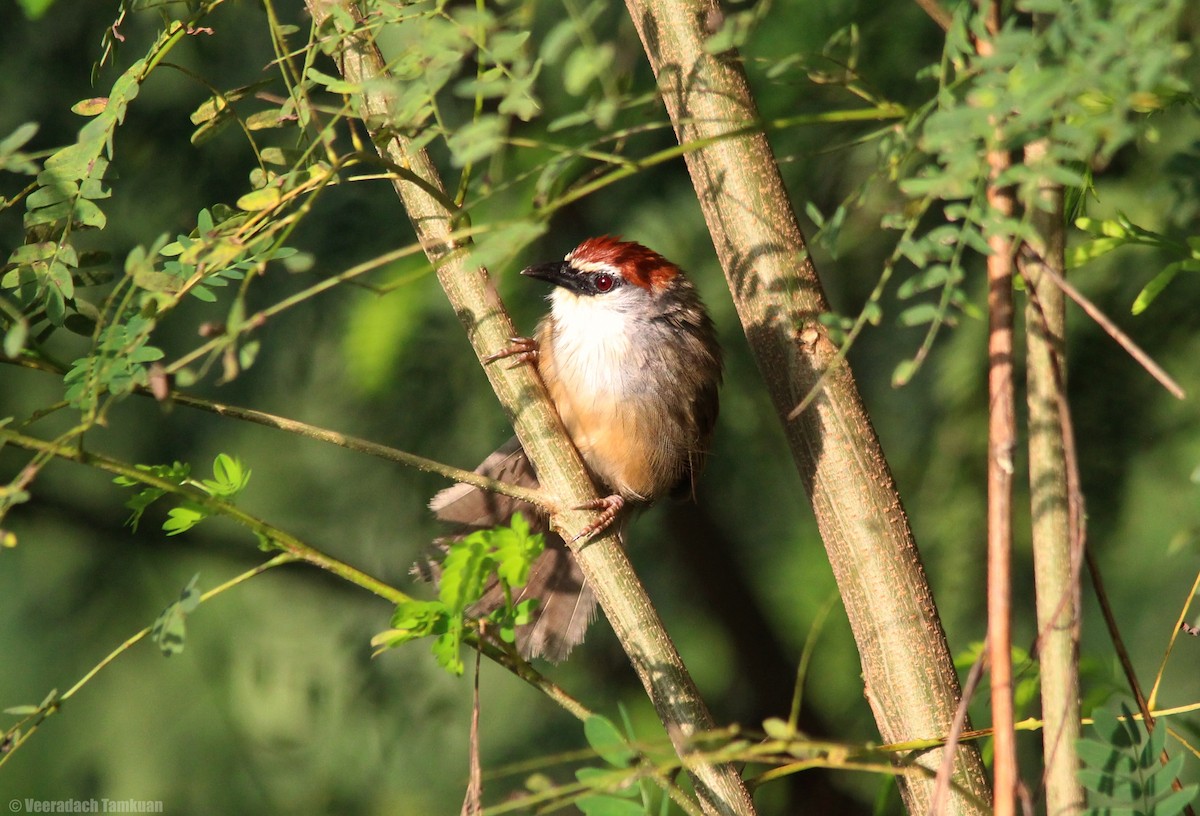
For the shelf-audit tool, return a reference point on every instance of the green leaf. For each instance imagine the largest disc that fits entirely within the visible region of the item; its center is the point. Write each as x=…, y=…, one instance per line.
x=14, y=338
x=607, y=741
x=1154, y=288
x=183, y=518
x=1102, y=755
x=52, y=191
x=75, y=162
x=333, y=84
x=919, y=314
x=1109, y=728
x=515, y=550
x=262, y=199
x=903, y=373
x=90, y=107
x=22, y=710
x=584, y=65
x=263, y=120
x=447, y=649
x=777, y=728
x=18, y=138
x=465, y=571
x=203, y=293
x=145, y=354
x=230, y=477
x=35, y=8
x=169, y=630
x=1090, y=250
x=601, y=805
x=477, y=140
x=1175, y=802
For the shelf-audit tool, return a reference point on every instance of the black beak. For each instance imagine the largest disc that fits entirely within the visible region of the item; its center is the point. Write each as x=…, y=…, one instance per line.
x=559, y=273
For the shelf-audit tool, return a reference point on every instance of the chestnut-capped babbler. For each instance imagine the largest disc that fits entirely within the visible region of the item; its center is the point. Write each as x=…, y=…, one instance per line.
x=631, y=361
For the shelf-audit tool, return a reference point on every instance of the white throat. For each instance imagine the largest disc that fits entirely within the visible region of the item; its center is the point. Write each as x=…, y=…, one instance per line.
x=592, y=340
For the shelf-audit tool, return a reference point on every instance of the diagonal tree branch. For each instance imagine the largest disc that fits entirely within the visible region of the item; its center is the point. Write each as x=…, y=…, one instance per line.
x=524, y=398
x=910, y=679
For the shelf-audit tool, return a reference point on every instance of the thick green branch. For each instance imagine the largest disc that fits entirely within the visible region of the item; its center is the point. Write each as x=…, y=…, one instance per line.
x=524, y=398
x=1056, y=562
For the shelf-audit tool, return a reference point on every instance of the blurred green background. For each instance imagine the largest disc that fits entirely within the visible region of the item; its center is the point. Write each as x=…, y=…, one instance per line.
x=276, y=705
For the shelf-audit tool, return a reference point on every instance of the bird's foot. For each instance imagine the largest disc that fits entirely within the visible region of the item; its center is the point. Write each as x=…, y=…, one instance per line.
x=520, y=349
x=609, y=507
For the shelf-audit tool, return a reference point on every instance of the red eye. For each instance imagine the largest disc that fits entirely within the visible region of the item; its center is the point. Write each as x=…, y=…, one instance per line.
x=604, y=282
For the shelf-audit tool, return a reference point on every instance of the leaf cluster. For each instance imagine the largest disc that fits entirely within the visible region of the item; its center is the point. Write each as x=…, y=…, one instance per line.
x=230, y=478
x=1115, y=233
x=1083, y=79
x=471, y=565
x=1123, y=770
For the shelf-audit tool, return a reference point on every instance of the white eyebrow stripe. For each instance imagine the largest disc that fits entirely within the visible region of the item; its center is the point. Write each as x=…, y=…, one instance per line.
x=591, y=266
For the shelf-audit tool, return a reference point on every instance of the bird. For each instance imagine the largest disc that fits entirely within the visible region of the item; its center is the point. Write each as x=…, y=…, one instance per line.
x=630, y=358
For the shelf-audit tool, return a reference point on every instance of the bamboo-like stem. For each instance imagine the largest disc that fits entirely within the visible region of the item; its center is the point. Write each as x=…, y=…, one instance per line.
x=524, y=398
x=1002, y=441
x=1056, y=564
x=1001, y=445
x=910, y=680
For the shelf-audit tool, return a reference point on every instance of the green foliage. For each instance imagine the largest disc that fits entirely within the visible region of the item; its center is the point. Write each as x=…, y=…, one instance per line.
x=169, y=631
x=621, y=787
x=176, y=473
x=430, y=45
x=229, y=479
x=612, y=747
x=471, y=562
x=535, y=107
x=1123, y=771
x=1120, y=232
x=41, y=274
x=1085, y=79
x=43, y=284
x=48, y=702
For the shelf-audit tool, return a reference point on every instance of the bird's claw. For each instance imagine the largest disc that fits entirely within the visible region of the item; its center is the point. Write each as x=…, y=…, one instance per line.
x=609, y=507
x=522, y=349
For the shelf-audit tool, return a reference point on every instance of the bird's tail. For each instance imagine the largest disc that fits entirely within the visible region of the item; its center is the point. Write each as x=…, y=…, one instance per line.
x=566, y=604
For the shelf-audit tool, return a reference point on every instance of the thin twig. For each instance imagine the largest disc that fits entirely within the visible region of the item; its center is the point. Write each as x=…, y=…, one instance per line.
x=536, y=497
x=1162, y=666
x=1114, y=632
x=938, y=14
x=1002, y=436
x=317, y=433
x=946, y=771
x=35, y=719
x=1123, y=340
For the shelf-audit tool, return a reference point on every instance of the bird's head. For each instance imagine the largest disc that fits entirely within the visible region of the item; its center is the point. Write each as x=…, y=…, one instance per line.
x=621, y=272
